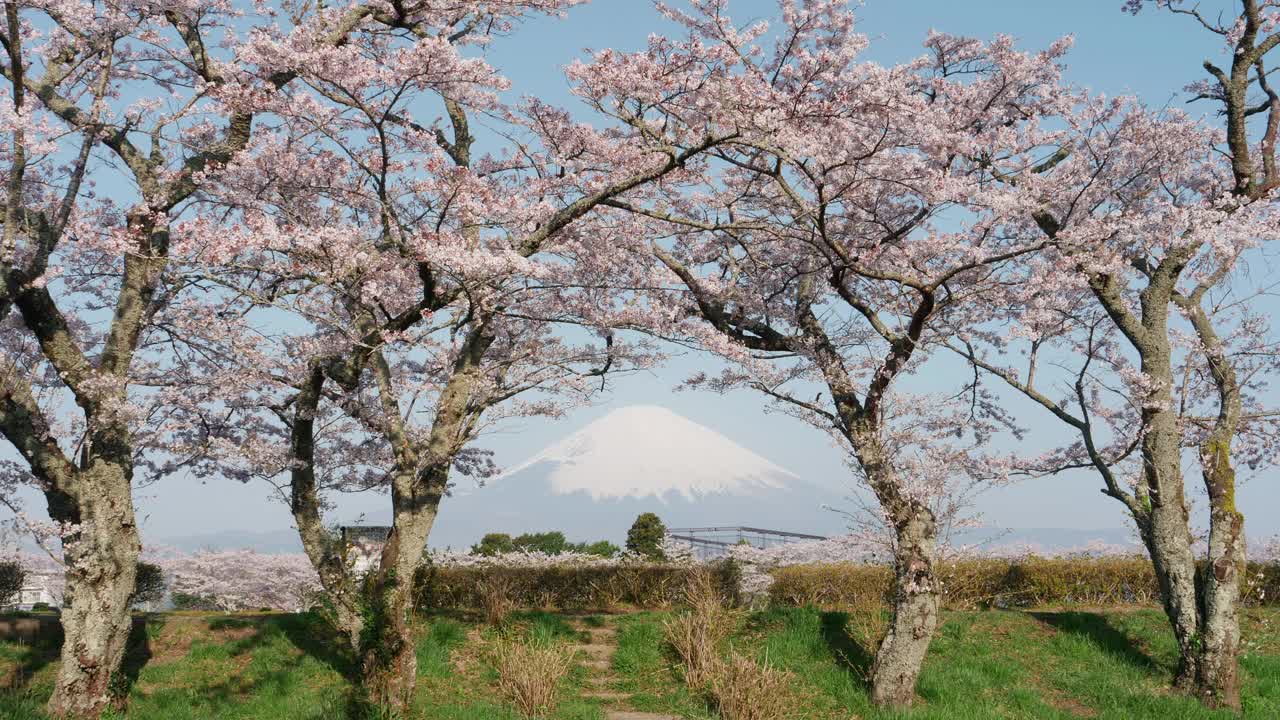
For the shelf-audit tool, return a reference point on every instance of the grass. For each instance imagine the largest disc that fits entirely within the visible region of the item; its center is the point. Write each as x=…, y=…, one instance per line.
x=644, y=667
x=1012, y=665
x=1109, y=664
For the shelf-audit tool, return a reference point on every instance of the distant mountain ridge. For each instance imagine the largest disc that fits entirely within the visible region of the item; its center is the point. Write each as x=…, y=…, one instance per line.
x=593, y=483
x=649, y=451
x=643, y=458
x=994, y=541
x=1047, y=541
x=284, y=540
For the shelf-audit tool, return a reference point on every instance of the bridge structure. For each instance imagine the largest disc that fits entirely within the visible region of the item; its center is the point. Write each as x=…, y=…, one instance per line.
x=710, y=542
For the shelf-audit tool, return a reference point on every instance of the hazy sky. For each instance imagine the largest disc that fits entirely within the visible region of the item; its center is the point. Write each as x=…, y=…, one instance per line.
x=1153, y=56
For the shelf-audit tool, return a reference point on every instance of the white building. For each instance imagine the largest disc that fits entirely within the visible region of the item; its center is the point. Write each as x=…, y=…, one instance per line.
x=362, y=546
x=38, y=587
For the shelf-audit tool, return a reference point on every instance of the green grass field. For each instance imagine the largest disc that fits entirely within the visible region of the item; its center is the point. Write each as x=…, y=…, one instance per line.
x=996, y=664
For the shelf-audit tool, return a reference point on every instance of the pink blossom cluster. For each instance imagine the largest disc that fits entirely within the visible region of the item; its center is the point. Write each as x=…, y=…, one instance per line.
x=244, y=579
x=758, y=564
x=322, y=274
x=1267, y=551
x=674, y=552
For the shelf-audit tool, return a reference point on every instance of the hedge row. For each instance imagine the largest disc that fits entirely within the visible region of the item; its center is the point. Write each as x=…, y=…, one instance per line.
x=966, y=584
x=567, y=587
x=997, y=582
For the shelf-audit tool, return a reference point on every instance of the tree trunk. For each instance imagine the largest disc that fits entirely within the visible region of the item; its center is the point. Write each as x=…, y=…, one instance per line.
x=915, y=590
x=1159, y=504
x=1217, y=674
x=101, y=562
x=915, y=610
x=304, y=502
x=417, y=486
x=1168, y=541
x=388, y=657
x=389, y=661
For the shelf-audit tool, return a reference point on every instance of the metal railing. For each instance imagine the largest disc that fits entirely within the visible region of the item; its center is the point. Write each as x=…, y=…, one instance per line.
x=714, y=541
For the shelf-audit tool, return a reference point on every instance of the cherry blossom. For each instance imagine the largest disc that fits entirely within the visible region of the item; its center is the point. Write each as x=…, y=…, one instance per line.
x=845, y=231
x=243, y=579
x=377, y=287
x=1164, y=349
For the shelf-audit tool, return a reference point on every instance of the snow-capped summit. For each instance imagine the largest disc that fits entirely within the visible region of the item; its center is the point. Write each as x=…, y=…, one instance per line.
x=635, y=459
x=649, y=451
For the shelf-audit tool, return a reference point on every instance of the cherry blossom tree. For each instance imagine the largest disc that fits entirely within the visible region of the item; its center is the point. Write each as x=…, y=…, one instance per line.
x=82, y=273
x=395, y=292
x=113, y=115
x=1167, y=348
x=243, y=579
x=832, y=246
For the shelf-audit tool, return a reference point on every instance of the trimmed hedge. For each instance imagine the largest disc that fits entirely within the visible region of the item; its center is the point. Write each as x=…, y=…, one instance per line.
x=997, y=582
x=566, y=586
x=967, y=584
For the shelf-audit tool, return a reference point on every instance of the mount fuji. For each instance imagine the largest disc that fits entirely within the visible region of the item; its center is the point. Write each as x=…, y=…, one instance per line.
x=592, y=484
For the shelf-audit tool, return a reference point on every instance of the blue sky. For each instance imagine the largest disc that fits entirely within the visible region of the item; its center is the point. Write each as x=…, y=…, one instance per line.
x=1153, y=56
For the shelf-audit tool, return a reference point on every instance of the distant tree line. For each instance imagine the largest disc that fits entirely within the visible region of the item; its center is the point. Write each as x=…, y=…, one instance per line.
x=12, y=577
x=552, y=543
x=644, y=538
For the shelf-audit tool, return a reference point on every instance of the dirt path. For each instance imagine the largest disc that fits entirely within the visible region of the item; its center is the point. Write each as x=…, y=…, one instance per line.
x=602, y=683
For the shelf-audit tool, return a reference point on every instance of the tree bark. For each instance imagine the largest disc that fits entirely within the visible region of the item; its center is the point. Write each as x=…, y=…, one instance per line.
x=375, y=612
x=901, y=654
x=1203, y=604
x=1169, y=545
x=389, y=661
x=1217, y=673
x=1160, y=507
x=915, y=610
x=1163, y=522
x=304, y=503
x=101, y=564
x=388, y=653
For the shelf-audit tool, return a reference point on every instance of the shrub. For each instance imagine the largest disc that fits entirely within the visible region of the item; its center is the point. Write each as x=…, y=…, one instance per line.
x=743, y=689
x=12, y=577
x=645, y=536
x=187, y=601
x=494, y=544
x=998, y=582
x=567, y=587
x=697, y=634
x=596, y=584
x=727, y=574
x=1093, y=581
x=149, y=586
x=495, y=598
x=852, y=587
x=41, y=607
x=529, y=674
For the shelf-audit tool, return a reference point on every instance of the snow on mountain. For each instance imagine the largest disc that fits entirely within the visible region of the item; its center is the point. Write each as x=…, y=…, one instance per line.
x=593, y=483
x=646, y=450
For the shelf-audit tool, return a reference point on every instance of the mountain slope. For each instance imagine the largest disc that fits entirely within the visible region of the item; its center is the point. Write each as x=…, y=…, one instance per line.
x=645, y=450
x=637, y=459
